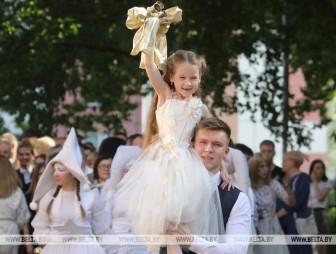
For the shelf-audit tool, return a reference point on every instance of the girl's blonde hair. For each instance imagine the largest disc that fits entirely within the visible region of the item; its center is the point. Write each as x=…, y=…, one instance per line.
x=180, y=56
x=297, y=156
x=9, y=181
x=254, y=164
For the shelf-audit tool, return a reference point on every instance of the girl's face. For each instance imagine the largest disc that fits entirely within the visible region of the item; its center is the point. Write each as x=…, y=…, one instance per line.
x=104, y=170
x=62, y=176
x=263, y=170
x=186, y=79
x=318, y=170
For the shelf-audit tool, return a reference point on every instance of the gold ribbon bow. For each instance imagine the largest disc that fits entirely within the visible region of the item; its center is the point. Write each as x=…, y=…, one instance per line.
x=153, y=24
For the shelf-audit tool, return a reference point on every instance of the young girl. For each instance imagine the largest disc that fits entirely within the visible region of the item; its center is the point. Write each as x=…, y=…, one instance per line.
x=169, y=184
x=66, y=205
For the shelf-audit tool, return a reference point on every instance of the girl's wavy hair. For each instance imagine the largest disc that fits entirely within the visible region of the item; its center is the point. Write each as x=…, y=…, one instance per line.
x=180, y=56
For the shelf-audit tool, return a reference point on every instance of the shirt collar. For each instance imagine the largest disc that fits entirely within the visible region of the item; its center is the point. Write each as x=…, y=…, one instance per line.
x=216, y=178
x=23, y=171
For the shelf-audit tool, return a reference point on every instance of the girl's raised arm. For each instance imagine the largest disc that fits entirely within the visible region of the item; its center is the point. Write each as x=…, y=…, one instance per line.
x=160, y=86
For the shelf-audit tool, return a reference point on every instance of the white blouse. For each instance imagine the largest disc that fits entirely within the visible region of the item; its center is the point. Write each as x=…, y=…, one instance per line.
x=313, y=201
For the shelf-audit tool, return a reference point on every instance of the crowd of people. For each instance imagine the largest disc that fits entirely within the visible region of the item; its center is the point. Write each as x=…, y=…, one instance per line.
x=267, y=198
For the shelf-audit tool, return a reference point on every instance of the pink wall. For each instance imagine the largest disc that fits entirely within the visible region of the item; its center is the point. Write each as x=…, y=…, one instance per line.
x=297, y=82
x=134, y=125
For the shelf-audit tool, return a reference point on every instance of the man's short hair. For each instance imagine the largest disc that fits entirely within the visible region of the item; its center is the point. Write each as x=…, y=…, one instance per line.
x=212, y=123
x=267, y=142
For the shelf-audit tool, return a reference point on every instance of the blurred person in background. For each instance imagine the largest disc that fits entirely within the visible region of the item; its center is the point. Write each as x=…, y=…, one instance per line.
x=266, y=190
x=88, y=148
x=121, y=134
x=331, y=215
x=25, y=155
x=14, y=213
x=299, y=183
x=40, y=159
x=11, y=138
x=42, y=145
x=52, y=152
x=319, y=190
x=110, y=145
x=135, y=140
x=91, y=158
x=101, y=170
x=267, y=148
x=5, y=148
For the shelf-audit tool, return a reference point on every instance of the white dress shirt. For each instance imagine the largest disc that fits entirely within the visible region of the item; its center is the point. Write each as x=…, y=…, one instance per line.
x=26, y=175
x=239, y=223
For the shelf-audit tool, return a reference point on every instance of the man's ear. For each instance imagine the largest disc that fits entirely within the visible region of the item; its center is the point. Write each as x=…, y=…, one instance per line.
x=226, y=152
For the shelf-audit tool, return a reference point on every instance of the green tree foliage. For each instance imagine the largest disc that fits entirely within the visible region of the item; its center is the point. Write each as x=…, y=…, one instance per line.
x=3, y=129
x=48, y=48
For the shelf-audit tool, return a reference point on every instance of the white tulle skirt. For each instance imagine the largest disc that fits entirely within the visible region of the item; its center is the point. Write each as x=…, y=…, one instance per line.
x=167, y=186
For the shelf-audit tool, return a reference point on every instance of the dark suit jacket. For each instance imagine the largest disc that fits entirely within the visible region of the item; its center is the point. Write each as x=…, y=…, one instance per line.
x=227, y=199
x=25, y=187
x=277, y=174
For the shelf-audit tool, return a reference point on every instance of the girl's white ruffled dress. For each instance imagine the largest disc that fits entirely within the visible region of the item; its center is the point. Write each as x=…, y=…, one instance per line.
x=168, y=184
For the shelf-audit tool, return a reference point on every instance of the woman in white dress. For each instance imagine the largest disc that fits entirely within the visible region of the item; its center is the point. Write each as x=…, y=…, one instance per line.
x=67, y=205
x=266, y=190
x=14, y=213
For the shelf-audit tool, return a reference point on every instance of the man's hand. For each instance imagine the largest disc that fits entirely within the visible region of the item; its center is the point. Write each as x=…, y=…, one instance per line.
x=180, y=229
x=282, y=212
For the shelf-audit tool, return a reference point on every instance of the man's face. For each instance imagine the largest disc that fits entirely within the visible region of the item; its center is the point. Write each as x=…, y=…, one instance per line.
x=24, y=156
x=5, y=150
x=212, y=146
x=267, y=151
